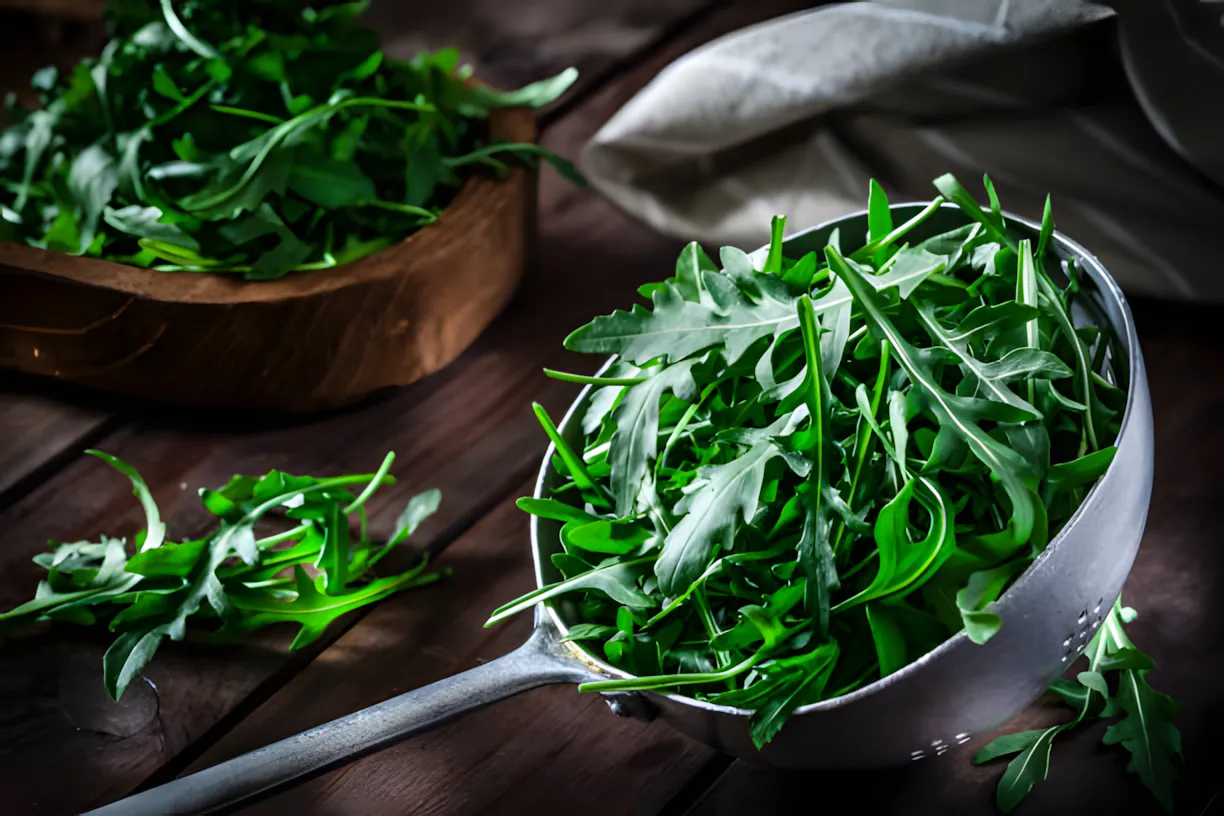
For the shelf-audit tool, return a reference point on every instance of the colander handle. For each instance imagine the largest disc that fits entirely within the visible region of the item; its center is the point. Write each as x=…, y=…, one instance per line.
x=538, y=662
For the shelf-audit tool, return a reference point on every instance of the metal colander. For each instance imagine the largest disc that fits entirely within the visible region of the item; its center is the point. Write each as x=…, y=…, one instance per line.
x=949, y=696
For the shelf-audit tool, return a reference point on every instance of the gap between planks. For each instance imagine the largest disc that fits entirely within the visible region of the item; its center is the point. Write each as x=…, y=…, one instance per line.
x=296, y=662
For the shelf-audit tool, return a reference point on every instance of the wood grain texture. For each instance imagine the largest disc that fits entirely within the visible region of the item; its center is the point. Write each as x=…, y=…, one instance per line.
x=35, y=429
x=63, y=9
x=468, y=430
x=548, y=751
x=307, y=341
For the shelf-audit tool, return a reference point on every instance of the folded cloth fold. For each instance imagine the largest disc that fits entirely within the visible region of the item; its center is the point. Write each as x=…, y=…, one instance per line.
x=793, y=116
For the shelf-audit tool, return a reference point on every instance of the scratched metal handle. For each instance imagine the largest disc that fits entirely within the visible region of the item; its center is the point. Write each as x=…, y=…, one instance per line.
x=538, y=662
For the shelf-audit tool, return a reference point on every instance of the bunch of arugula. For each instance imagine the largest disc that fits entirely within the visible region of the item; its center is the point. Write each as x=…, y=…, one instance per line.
x=254, y=137
x=231, y=577
x=799, y=476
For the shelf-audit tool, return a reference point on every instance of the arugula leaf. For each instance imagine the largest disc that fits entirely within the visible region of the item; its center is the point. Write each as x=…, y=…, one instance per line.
x=709, y=516
x=636, y=439
x=152, y=594
x=198, y=113
x=1144, y=729
x=864, y=449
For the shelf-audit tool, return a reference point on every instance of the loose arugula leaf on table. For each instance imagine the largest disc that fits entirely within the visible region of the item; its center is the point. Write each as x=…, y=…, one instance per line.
x=1114, y=688
x=202, y=114
x=862, y=449
x=233, y=579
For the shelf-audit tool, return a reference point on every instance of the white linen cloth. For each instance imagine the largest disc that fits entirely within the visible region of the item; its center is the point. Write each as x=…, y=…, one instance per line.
x=793, y=116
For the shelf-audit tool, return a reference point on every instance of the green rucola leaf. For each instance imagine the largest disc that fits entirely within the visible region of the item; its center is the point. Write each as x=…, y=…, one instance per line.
x=1007, y=744
x=728, y=492
x=636, y=440
x=618, y=582
x=91, y=182
x=888, y=637
x=314, y=610
x=773, y=260
x=958, y=413
x=879, y=217
x=420, y=507
x=553, y=509
x=692, y=264
x=573, y=462
x=952, y=190
x=791, y=683
x=1146, y=726
x=991, y=379
x=1079, y=472
x=814, y=547
x=908, y=269
x=1026, y=770
x=334, y=557
x=607, y=537
x=155, y=529
x=903, y=565
x=127, y=655
x=535, y=95
x=983, y=589
x=145, y=222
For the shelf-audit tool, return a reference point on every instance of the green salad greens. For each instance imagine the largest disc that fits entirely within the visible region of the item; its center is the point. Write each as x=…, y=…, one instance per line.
x=233, y=578
x=252, y=137
x=801, y=474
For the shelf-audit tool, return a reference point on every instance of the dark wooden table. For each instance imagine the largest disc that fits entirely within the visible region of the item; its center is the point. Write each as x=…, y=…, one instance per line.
x=469, y=430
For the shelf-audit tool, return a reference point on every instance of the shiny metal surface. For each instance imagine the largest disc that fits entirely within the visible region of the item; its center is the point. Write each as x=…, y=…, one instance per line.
x=948, y=696
x=960, y=690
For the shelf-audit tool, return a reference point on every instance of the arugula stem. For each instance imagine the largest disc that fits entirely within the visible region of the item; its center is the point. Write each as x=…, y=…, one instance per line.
x=871, y=247
x=248, y=114
x=395, y=206
x=186, y=37
x=573, y=462
x=288, y=535
x=722, y=658
x=586, y=380
x=685, y=419
x=862, y=444
x=665, y=680
x=857, y=568
x=374, y=484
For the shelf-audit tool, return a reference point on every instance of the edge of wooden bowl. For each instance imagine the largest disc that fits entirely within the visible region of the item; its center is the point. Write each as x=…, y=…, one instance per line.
x=306, y=341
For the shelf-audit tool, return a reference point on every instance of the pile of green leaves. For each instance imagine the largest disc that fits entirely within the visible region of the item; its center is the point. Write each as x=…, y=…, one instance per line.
x=254, y=137
x=232, y=578
x=1114, y=687
x=799, y=476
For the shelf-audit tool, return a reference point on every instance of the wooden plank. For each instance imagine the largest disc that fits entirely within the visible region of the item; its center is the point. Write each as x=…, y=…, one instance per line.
x=468, y=430
x=509, y=43
x=34, y=429
x=1174, y=586
x=513, y=42
x=550, y=750
x=525, y=769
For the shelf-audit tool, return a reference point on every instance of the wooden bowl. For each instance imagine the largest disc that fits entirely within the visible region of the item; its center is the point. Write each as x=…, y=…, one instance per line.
x=310, y=340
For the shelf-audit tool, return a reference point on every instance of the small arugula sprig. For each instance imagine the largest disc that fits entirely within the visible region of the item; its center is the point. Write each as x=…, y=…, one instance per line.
x=800, y=474
x=1143, y=726
x=232, y=578
x=252, y=137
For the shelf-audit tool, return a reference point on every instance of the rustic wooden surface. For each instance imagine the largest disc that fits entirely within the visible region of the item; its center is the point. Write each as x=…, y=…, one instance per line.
x=468, y=429
x=315, y=340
